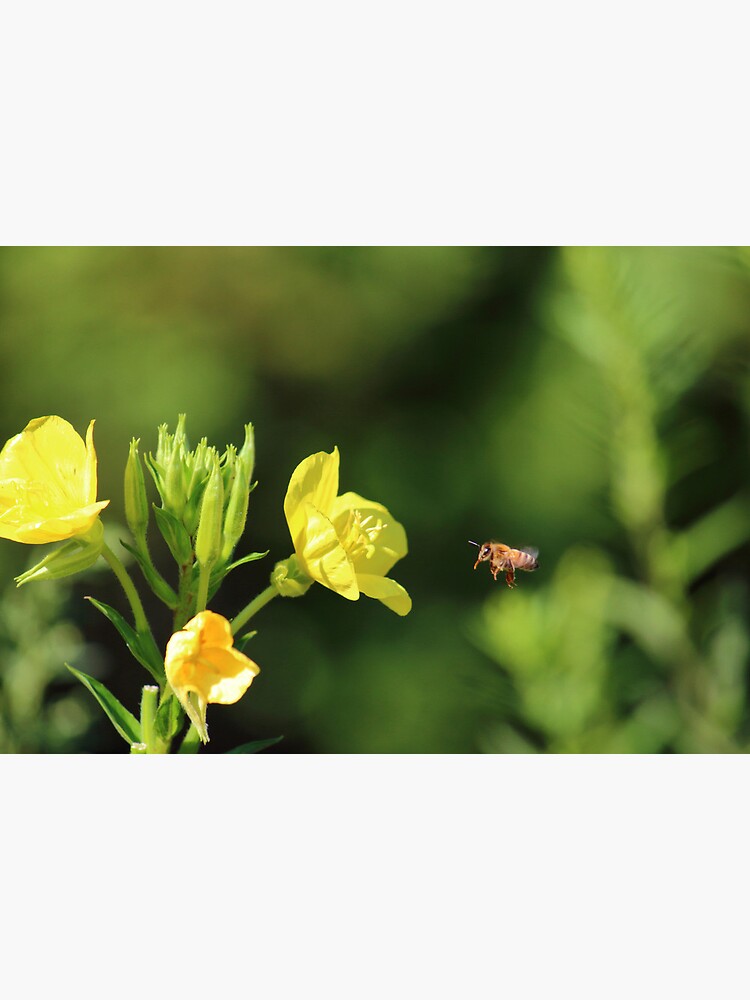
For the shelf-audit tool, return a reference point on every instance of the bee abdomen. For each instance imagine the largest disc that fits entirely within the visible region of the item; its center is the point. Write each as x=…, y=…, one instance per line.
x=525, y=560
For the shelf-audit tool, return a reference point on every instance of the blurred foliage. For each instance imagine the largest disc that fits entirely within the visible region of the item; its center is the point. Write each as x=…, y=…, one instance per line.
x=39, y=711
x=593, y=402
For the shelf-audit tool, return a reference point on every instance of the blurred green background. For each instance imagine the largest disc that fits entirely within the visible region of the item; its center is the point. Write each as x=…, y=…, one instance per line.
x=591, y=402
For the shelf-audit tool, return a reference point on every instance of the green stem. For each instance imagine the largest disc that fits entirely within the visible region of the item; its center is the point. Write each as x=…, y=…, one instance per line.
x=155, y=580
x=184, y=597
x=149, y=702
x=141, y=622
x=191, y=742
x=203, y=580
x=252, y=608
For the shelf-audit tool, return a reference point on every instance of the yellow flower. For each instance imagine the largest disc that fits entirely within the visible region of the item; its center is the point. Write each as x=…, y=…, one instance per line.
x=203, y=668
x=48, y=483
x=345, y=542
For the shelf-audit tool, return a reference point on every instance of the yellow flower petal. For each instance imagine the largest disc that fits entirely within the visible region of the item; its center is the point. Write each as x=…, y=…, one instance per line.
x=89, y=477
x=48, y=449
x=48, y=483
x=322, y=556
x=203, y=667
x=383, y=589
x=232, y=675
x=388, y=538
x=314, y=481
x=54, y=529
x=339, y=540
x=211, y=630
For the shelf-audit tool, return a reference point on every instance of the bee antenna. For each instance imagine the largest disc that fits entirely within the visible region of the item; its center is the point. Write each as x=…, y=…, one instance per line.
x=474, y=543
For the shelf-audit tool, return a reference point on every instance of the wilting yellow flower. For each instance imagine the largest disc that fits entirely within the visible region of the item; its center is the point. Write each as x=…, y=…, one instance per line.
x=48, y=483
x=345, y=542
x=203, y=668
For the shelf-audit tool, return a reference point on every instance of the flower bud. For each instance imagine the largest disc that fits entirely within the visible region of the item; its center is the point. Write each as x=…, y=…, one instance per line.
x=175, y=496
x=200, y=463
x=288, y=578
x=180, y=438
x=71, y=558
x=163, y=446
x=208, y=537
x=236, y=513
x=170, y=467
x=247, y=453
x=136, y=501
x=228, y=466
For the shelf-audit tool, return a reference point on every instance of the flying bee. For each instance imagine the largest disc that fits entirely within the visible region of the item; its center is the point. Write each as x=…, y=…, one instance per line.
x=504, y=559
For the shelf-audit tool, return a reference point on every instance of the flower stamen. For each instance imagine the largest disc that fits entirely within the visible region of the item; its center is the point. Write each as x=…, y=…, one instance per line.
x=359, y=535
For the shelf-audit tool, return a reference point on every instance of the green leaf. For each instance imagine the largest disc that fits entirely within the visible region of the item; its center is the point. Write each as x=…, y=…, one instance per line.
x=220, y=572
x=245, y=559
x=153, y=577
x=124, y=722
x=141, y=645
x=175, y=535
x=169, y=719
x=244, y=639
x=256, y=745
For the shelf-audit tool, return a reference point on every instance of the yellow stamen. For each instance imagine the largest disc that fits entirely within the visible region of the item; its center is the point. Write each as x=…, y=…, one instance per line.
x=359, y=534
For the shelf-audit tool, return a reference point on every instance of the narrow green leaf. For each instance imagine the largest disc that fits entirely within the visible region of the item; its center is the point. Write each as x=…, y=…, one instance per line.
x=220, y=572
x=124, y=722
x=256, y=745
x=169, y=719
x=142, y=647
x=244, y=639
x=175, y=535
x=245, y=559
x=153, y=577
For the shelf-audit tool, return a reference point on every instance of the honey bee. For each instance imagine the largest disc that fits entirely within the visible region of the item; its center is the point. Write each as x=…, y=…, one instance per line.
x=505, y=559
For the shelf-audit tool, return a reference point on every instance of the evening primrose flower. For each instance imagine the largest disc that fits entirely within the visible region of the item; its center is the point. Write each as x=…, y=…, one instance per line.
x=345, y=542
x=48, y=483
x=203, y=667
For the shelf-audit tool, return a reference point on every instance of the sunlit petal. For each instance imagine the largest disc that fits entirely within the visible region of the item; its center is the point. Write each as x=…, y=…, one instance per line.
x=383, y=589
x=48, y=483
x=203, y=667
x=340, y=539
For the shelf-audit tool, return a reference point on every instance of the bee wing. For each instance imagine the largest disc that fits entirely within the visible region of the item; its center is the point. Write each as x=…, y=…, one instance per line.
x=530, y=550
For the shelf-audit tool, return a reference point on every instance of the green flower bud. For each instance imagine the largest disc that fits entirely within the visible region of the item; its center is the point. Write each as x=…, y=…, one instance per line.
x=236, y=513
x=288, y=578
x=175, y=496
x=163, y=446
x=170, y=467
x=228, y=467
x=71, y=558
x=201, y=465
x=180, y=438
x=136, y=501
x=247, y=453
x=208, y=538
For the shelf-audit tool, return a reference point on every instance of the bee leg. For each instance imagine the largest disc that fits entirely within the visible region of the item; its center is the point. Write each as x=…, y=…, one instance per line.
x=494, y=570
x=510, y=577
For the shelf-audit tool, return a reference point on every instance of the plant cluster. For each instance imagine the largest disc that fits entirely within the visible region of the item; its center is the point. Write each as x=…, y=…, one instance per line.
x=48, y=494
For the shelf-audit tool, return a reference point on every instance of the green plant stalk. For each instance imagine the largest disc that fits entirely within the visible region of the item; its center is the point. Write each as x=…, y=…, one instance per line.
x=192, y=741
x=183, y=612
x=203, y=581
x=253, y=608
x=139, y=615
x=153, y=577
x=149, y=703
